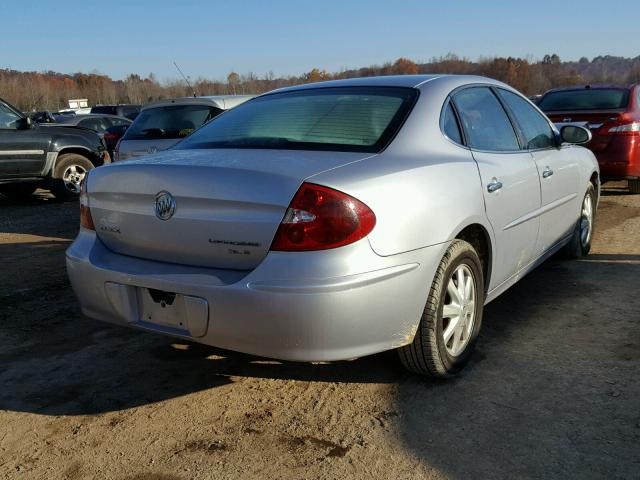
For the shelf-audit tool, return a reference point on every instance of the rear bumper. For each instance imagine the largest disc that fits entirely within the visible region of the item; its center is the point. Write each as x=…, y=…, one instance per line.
x=620, y=159
x=313, y=306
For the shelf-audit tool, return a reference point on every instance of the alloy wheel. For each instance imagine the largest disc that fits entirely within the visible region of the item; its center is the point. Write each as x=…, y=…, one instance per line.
x=586, y=221
x=72, y=178
x=459, y=310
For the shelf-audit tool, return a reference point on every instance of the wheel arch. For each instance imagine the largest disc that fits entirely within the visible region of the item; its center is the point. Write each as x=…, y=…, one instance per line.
x=478, y=236
x=78, y=150
x=595, y=181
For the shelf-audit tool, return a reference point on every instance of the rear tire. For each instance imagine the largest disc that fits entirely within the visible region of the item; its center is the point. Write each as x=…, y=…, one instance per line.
x=634, y=185
x=68, y=174
x=451, y=320
x=18, y=190
x=580, y=243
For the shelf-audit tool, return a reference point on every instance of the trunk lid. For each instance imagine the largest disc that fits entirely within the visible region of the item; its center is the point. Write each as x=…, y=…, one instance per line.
x=138, y=148
x=595, y=120
x=228, y=203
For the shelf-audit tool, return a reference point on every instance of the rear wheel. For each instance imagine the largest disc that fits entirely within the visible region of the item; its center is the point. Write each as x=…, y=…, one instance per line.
x=580, y=243
x=18, y=190
x=452, y=316
x=68, y=174
x=634, y=185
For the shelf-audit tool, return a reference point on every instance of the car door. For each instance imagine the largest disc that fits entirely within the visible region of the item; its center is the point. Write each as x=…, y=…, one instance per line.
x=22, y=150
x=557, y=167
x=509, y=179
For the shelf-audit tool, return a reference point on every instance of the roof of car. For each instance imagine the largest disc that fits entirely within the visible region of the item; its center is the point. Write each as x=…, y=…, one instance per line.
x=223, y=102
x=383, y=81
x=81, y=116
x=407, y=81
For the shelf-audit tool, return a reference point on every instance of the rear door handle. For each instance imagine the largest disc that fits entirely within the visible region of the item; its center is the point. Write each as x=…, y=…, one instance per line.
x=547, y=172
x=494, y=186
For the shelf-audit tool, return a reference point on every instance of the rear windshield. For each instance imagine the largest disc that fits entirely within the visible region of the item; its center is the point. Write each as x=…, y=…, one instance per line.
x=173, y=121
x=105, y=109
x=595, y=99
x=361, y=119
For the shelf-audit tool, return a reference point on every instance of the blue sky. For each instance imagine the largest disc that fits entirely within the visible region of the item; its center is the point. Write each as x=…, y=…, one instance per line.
x=212, y=38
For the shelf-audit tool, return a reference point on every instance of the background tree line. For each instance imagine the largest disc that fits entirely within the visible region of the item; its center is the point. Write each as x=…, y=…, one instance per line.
x=51, y=90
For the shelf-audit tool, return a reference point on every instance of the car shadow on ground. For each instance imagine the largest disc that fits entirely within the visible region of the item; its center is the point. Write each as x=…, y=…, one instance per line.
x=82, y=367
x=550, y=392
x=612, y=189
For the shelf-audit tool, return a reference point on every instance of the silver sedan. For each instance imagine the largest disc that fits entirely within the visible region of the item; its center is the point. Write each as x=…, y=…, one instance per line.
x=339, y=219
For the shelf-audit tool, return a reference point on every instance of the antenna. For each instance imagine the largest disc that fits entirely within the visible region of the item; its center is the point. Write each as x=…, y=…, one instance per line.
x=185, y=79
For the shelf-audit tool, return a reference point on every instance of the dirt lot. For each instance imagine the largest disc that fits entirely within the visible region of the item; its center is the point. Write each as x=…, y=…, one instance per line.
x=553, y=391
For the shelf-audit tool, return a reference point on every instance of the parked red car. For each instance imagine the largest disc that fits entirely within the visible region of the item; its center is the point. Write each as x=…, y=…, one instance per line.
x=612, y=113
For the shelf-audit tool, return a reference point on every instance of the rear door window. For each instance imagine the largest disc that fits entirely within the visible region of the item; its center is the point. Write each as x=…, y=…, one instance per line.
x=484, y=120
x=450, y=124
x=99, y=124
x=173, y=121
x=534, y=127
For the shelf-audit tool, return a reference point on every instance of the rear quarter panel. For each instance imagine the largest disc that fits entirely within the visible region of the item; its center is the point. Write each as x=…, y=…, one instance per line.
x=423, y=188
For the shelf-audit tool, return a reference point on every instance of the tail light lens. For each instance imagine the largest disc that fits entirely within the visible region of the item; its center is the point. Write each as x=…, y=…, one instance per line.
x=320, y=218
x=116, y=151
x=626, y=129
x=86, y=220
x=111, y=136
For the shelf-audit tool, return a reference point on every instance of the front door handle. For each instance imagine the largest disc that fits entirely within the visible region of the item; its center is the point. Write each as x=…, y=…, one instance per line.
x=494, y=186
x=547, y=172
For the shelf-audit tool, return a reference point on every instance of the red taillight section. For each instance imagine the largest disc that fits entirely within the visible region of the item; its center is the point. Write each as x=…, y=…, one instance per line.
x=111, y=136
x=628, y=129
x=320, y=218
x=86, y=220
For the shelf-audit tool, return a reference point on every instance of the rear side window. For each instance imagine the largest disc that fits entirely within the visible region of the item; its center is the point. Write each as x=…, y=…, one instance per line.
x=341, y=119
x=450, y=124
x=119, y=121
x=484, y=120
x=105, y=109
x=130, y=112
x=172, y=121
x=586, y=99
x=97, y=124
x=535, y=129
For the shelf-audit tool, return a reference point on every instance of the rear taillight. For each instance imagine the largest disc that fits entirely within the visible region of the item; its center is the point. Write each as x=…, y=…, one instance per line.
x=320, y=218
x=111, y=136
x=627, y=129
x=86, y=220
x=116, y=151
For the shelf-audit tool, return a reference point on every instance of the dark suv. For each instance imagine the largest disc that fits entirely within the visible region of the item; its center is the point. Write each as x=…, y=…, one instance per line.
x=122, y=110
x=612, y=113
x=46, y=155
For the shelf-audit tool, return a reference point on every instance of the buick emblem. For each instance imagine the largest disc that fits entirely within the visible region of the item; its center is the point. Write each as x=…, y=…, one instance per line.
x=165, y=205
x=152, y=150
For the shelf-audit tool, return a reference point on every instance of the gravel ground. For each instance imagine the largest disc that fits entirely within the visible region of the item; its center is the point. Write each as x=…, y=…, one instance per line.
x=552, y=392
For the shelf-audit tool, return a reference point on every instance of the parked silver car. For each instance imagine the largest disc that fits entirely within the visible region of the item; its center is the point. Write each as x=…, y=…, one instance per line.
x=335, y=220
x=160, y=125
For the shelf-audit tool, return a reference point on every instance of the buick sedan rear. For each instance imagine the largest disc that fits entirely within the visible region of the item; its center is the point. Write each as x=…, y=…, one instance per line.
x=335, y=220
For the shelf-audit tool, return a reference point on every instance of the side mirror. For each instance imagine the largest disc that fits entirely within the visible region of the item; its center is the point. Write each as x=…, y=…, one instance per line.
x=23, y=123
x=575, y=135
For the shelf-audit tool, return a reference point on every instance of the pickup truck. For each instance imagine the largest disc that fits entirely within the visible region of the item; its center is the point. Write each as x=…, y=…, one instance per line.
x=48, y=156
